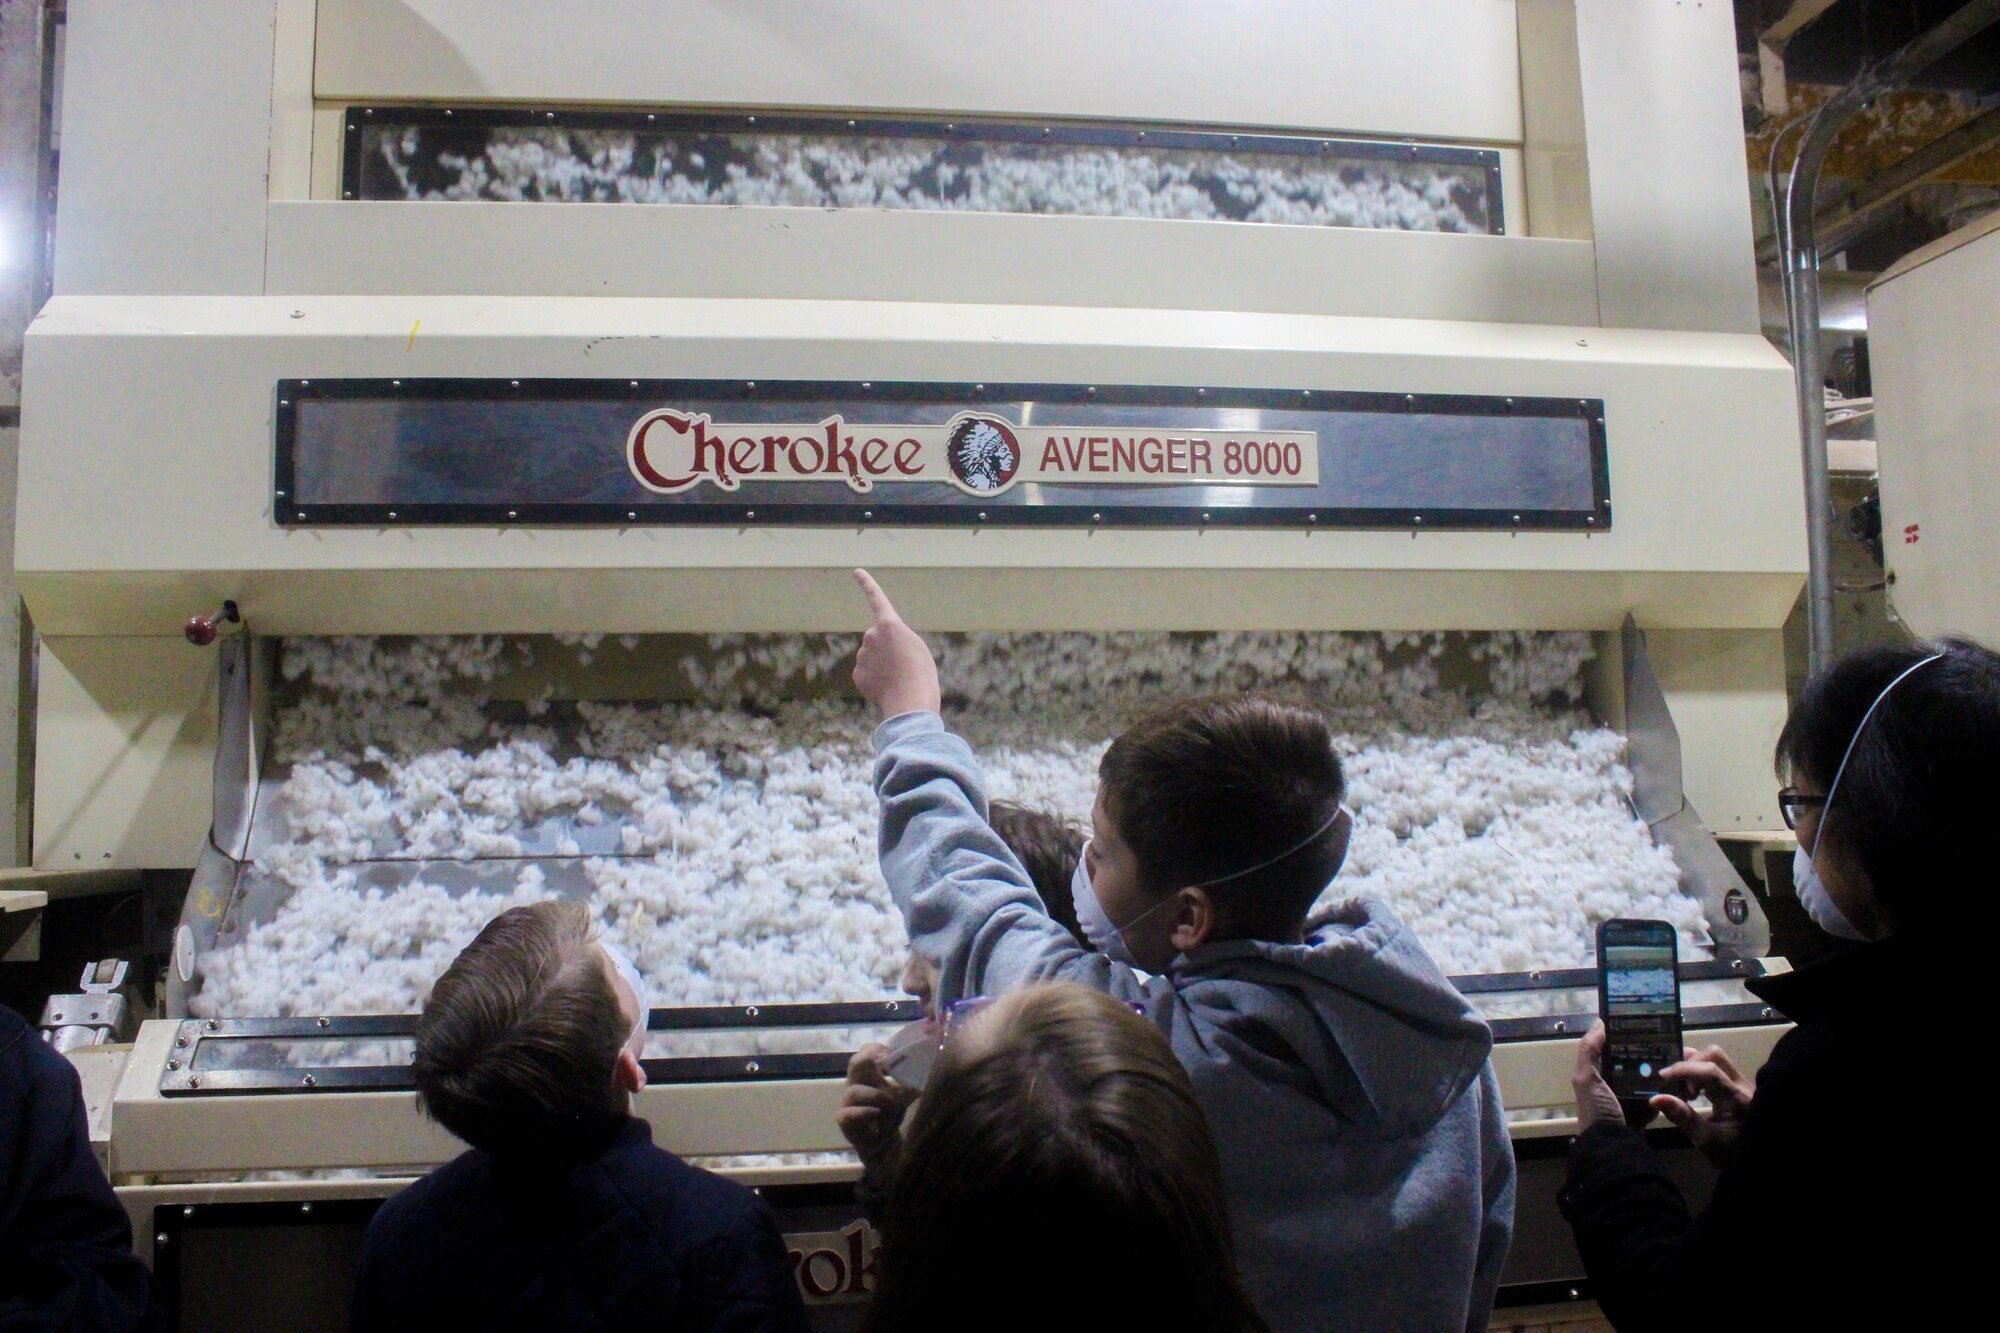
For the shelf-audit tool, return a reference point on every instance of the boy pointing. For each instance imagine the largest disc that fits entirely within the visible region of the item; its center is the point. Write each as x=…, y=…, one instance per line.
x=1349, y=1085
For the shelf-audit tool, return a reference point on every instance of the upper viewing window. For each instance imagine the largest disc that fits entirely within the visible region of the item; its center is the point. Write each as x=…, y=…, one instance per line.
x=633, y=157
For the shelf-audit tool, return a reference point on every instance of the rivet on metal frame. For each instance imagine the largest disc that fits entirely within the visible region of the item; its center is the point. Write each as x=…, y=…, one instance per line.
x=751, y=1066
x=1204, y=516
x=631, y=513
x=310, y=1081
x=750, y=1012
x=194, y=1080
x=1097, y=518
x=1535, y=976
x=211, y=1025
x=982, y=516
x=181, y=1042
x=322, y=1022
x=1561, y=1026
x=1766, y=1012
x=173, y=1065
x=305, y=1207
x=159, y=1238
x=187, y=1211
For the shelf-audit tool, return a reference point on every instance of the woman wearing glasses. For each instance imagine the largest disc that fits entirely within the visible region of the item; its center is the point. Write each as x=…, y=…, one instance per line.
x=1836, y=1206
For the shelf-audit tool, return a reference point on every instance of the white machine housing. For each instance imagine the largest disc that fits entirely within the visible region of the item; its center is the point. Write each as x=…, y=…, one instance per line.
x=205, y=254
x=1934, y=358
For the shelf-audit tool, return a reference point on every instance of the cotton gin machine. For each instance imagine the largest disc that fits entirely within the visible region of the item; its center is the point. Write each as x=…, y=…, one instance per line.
x=501, y=401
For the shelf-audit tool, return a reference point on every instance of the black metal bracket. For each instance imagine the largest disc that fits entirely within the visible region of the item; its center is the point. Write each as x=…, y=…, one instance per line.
x=185, y=1077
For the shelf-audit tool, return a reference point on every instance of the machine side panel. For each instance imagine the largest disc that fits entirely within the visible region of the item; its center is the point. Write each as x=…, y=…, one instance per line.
x=154, y=1135
x=125, y=745
x=1726, y=689
x=166, y=128
x=1432, y=68
x=1555, y=160
x=1682, y=411
x=1669, y=182
x=1934, y=343
x=579, y=250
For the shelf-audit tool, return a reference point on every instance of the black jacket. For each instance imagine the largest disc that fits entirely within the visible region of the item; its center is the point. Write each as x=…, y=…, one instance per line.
x=1844, y=1207
x=66, y=1258
x=631, y=1237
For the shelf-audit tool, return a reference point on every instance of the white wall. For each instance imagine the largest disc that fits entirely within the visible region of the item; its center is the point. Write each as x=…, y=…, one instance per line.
x=1431, y=68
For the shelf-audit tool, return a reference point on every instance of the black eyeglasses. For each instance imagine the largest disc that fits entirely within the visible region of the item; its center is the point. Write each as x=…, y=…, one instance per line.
x=1791, y=801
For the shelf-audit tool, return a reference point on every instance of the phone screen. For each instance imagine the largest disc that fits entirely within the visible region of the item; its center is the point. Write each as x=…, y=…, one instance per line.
x=1640, y=1001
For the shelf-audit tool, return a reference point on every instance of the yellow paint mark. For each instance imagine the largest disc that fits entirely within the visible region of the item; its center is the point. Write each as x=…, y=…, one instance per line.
x=413, y=334
x=207, y=903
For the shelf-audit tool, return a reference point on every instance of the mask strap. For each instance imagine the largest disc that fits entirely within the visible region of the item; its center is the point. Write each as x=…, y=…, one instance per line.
x=1294, y=849
x=1848, y=753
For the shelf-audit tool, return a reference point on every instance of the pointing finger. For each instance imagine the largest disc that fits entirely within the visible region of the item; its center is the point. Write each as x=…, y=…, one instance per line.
x=879, y=604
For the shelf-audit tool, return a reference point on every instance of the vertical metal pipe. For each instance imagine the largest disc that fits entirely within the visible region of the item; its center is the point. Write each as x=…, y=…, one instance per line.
x=1799, y=253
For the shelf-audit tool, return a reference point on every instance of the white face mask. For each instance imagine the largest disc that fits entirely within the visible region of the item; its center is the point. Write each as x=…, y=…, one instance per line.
x=622, y=965
x=1109, y=939
x=1104, y=937
x=1819, y=904
x=1817, y=901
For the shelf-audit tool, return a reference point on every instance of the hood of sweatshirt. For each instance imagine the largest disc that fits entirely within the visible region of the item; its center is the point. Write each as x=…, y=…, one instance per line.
x=1358, y=1017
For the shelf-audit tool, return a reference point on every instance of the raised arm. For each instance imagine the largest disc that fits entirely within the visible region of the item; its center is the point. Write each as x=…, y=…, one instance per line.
x=968, y=903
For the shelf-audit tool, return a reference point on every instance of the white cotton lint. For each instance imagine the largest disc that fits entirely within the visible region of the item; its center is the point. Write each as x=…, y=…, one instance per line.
x=728, y=845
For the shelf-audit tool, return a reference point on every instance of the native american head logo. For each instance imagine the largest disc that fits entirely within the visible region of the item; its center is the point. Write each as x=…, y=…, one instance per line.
x=984, y=454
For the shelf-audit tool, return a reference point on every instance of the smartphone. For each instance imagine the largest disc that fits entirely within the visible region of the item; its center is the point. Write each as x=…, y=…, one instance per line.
x=1639, y=999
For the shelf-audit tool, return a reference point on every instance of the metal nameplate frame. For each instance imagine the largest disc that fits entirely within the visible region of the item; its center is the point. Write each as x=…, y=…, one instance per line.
x=184, y=1078
x=406, y=452
x=970, y=130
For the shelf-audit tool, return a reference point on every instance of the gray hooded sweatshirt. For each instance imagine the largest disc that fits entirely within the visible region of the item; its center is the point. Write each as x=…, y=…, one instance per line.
x=1364, y=1148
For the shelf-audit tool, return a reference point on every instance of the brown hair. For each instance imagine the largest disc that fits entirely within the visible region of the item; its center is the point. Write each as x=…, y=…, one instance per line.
x=518, y=1042
x=1212, y=786
x=1058, y=1137
x=1049, y=847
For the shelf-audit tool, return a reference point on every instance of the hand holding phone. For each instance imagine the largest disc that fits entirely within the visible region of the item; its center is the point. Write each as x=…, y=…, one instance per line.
x=1639, y=999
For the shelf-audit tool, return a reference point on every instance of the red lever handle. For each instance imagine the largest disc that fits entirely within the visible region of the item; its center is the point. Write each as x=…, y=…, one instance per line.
x=201, y=630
